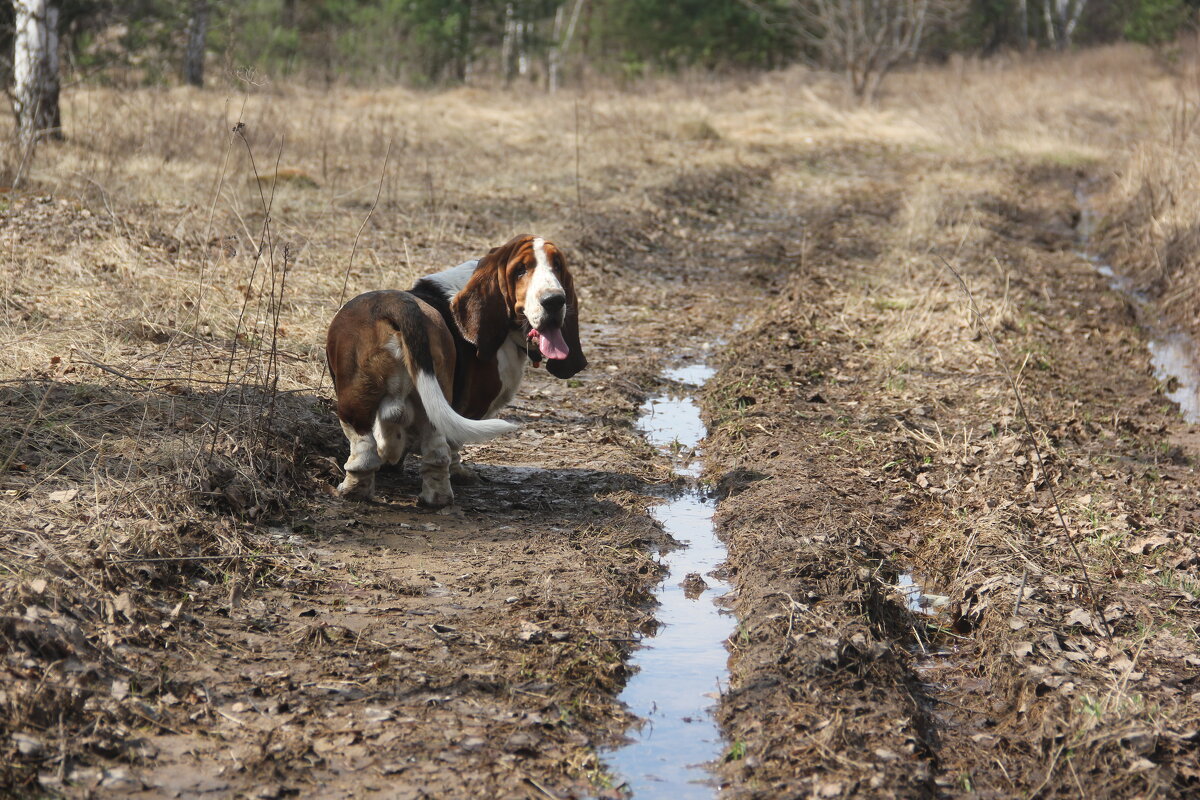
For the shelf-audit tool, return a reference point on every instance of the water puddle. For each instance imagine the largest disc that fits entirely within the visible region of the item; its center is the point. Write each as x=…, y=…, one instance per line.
x=916, y=598
x=1174, y=355
x=680, y=670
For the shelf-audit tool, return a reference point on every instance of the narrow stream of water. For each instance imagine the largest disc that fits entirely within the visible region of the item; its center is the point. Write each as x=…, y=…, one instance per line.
x=1173, y=353
x=682, y=668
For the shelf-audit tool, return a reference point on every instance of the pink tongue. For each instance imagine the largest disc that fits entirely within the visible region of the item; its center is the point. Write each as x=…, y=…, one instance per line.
x=552, y=345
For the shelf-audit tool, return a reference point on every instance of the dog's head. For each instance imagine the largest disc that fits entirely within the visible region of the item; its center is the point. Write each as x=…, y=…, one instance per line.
x=523, y=285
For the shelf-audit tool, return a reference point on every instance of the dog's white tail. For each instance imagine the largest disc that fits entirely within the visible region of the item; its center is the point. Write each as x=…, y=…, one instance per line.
x=456, y=428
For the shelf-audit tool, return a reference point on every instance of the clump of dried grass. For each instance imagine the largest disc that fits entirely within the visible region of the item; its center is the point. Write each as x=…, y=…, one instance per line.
x=1151, y=230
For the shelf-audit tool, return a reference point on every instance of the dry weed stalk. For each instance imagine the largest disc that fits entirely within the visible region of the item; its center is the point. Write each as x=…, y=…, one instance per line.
x=267, y=383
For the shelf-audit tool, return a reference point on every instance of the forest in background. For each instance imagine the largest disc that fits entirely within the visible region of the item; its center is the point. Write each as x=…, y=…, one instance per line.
x=567, y=42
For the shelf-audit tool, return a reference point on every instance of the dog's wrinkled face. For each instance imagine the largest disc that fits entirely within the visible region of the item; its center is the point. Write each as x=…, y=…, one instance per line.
x=539, y=296
x=526, y=282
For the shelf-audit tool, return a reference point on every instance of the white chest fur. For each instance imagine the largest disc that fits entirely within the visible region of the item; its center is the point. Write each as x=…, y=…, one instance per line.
x=511, y=360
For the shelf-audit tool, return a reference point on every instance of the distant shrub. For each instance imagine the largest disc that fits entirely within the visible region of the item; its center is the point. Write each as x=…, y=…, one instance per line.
x=1157, y=21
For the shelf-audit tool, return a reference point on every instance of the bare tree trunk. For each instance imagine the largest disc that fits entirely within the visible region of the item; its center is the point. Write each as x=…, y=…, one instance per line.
x=1070, y=11
x=1051, y=35
x=35, y=71
x=1062, y=16
x=562, y=42
x=508, y=45
x=554, y=54
x=1023, y=24
x=462, y=61
x=522, y=53
x=193, y=62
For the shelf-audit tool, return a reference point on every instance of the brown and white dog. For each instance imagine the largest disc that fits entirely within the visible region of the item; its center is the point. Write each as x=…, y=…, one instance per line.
x=429, y=368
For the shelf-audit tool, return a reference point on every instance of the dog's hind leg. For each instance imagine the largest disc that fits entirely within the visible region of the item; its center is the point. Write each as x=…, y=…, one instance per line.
x=390, y=429
x=360, y=468
x=357, y=409
x=460, y=473
x=435, y=469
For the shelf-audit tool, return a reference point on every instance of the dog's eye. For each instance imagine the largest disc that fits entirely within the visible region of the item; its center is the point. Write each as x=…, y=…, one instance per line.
x=520, y=271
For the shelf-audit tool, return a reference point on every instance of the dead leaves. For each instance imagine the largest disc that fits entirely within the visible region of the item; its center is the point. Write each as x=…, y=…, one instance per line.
x=532, y=633
x=1144, y=545
x=63, y=495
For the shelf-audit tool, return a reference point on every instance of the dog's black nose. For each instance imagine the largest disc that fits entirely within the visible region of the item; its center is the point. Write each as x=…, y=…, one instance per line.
x=554, y=304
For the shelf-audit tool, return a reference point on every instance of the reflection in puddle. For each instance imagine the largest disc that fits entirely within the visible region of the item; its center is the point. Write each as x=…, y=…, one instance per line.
x=682, y=667
x=916, y=598
x=690, y=374
x=1174, y=359
x=1173, y=353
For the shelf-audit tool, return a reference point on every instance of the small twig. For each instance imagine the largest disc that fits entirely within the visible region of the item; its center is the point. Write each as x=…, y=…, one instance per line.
x=1021, y=592
x=110, y=370
x=578, y=187
x=540, y=788
x=1030, y=434
x=152, y=721
x=361, y=228
x=48, y=549
x=265, y=242
x=212, y=210
x=248, y=557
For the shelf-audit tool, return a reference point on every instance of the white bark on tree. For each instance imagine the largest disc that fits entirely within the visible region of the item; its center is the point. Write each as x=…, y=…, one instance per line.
x=508, y=45
x=193, y=61
x=35, y=71
x=522, y=54
x=1062, y=17
x=562, y=42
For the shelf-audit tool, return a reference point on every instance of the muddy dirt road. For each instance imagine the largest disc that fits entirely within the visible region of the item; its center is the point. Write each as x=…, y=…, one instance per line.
x=912, y=617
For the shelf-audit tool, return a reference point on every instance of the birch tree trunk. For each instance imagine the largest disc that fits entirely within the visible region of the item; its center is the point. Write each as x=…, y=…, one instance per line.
x=562, y=41
x=1023, y=24
x=462, y=58
x=193, y=61
x=554, y=54
x=1051, y=34
x=35, y=70
x=1062, y=16
x=1069, y=12
x=507, y=45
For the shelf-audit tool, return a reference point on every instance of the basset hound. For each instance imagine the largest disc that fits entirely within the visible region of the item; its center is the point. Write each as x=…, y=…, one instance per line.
x=429, y=369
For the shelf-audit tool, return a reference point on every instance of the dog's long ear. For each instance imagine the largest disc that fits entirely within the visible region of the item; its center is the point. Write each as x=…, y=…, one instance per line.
x=481, y=308
x=575, y=360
